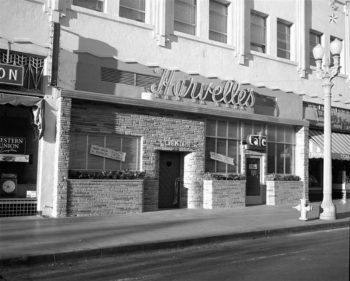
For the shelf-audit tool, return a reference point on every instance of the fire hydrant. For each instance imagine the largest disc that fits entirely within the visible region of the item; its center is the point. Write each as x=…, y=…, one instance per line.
x=303, y=208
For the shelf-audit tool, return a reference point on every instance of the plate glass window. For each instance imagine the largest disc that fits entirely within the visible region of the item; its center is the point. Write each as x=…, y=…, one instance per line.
x=258, y=32
x=185, y=16
x=283, y=39
x=132, y=9
x=315, y=39
x=218, y=21
x=96, y=5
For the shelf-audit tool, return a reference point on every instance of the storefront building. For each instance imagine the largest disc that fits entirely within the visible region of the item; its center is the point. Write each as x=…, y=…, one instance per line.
x=176, y=132
x=138, y=101
x=340, y=150
x=20, y=131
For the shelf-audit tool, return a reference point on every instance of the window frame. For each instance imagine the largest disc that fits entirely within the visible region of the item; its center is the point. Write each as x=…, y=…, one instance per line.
x=288, y=36
x=317, y=34
x=189, y=24
x=224, y=34
x=258, y=44
x=97, y=10
x=138, y=11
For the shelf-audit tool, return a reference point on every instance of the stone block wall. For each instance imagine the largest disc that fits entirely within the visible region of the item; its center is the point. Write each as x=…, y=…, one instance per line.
x=160, y=131
x=62, y=154
x=223, y=194
x=89, y=197
x=283, y=192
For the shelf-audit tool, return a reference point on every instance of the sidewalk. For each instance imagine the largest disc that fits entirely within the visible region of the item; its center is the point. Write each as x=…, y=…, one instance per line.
x=37, y=239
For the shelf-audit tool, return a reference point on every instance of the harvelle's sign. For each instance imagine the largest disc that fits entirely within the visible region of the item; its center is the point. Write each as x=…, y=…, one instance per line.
x=11, y=74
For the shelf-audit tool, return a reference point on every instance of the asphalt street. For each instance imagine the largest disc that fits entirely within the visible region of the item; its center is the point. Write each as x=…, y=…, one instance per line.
x=322, y=255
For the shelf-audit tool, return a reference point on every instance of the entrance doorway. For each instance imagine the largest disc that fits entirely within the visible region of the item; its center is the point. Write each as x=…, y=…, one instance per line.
x=253, y=183
x=169, y=179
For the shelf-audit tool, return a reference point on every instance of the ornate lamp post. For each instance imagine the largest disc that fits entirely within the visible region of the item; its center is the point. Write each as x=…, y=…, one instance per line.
x=326, y=73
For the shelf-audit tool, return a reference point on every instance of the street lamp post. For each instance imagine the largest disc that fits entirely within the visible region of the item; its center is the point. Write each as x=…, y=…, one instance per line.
x=326, y=74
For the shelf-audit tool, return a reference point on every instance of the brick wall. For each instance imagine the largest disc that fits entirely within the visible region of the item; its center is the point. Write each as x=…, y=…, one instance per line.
x=87, y=197
x=223, y=194
x=283, y=192
x=154, y=127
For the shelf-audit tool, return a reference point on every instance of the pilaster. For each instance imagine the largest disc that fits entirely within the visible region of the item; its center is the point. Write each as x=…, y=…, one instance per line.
x=239, y=30
x=301, y=37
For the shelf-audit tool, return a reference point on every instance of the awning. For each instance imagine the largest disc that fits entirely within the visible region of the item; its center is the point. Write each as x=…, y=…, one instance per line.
x=37, y=105
x=340, y=145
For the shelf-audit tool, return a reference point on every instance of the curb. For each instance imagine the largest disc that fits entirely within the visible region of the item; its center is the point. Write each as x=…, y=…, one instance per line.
x=116, y=250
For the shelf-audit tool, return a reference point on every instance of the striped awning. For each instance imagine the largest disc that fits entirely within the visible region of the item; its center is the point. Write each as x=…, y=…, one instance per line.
x=340, y=145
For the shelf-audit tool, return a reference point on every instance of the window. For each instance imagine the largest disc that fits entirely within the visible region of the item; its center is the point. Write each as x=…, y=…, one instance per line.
x=283, y=39
x=82, y=159
x=280, y=150
x=223, y=138
x=132, y=9
x=258, y=32
x=96, y=5
x=185, y=16
x=218, y=21
x=315, y=39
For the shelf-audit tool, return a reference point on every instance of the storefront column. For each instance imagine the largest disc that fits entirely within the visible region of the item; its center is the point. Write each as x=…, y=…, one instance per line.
x=62, y=157
x=302, y=158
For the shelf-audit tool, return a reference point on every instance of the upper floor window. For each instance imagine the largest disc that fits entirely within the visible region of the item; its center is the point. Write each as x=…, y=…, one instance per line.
x=315, y=39
x=283, y=39
x=258, y=32
x=96, y=5
x=185, y=16
x=218, y=21
x=132, y=9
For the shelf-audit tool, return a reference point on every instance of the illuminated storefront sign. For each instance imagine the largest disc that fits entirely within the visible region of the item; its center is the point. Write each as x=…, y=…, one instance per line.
x=11, y=74
x=12, y=145
x=227, y=92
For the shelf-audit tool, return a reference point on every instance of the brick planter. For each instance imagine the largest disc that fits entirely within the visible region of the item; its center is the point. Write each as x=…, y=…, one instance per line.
x=283, y=192
x=90, y=197
x=223, y=194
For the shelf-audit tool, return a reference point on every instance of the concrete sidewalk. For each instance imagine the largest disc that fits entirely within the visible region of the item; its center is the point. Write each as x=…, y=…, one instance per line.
x=37, y=239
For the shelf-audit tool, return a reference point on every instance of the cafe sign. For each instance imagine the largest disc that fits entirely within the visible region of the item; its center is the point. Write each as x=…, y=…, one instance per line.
x=11, y=74
x=107, y=153
x=256, y=142
x=12, y=145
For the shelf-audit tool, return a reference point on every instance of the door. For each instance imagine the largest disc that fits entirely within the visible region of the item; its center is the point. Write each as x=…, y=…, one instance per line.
x=169, y=175
x=253, y=189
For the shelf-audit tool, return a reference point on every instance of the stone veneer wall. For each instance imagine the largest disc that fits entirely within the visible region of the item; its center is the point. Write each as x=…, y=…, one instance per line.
x=223, y=194
x=62, y=154
x=283, y=192
x=90, y=197
x=99, y=118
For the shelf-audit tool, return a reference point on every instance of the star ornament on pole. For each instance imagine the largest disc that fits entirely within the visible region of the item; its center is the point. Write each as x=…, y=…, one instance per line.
x=333, y=18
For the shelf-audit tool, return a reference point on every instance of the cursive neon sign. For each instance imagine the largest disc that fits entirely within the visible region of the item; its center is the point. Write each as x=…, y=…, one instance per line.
x=228, y=92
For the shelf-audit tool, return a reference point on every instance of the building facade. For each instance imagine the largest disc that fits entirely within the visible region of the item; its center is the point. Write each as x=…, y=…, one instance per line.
x=170, y=89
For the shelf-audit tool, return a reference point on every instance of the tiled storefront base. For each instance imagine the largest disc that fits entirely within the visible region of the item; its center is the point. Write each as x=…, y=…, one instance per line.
x=89, y=197
x=13, y=207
